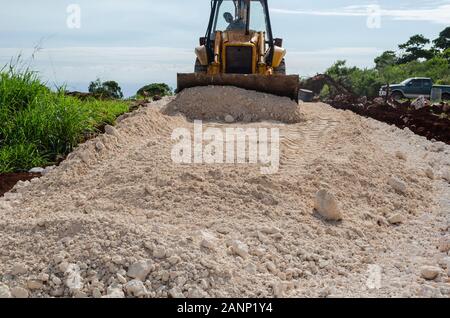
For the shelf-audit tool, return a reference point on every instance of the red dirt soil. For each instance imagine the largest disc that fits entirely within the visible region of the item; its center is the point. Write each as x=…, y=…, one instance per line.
x=9, y=180
x=425, y=122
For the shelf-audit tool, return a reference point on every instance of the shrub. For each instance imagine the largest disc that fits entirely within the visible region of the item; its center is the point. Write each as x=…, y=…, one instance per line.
x=108, y=89
x=152, y=90
x=39, y=126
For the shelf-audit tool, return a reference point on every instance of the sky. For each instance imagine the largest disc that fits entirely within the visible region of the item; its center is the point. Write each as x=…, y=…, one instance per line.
x=137, y=42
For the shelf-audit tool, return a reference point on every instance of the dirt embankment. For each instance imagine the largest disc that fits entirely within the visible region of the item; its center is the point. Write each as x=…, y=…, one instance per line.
x=432, y=122
x=119, y=218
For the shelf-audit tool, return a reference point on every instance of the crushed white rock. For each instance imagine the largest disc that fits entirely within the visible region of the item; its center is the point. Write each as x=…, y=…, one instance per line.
x=130, y=203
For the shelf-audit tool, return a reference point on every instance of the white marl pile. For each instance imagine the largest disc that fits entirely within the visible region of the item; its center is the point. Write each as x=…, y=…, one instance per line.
x=357, y=209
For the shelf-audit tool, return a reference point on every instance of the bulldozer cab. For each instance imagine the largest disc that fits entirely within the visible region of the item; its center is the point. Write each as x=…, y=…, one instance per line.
x=239, y=50
x=244, y=17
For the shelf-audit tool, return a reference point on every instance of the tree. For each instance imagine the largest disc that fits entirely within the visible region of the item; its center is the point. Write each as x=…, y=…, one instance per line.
x=415, y=49
x=446, y=54
x=388, y=58
x=108, y=89
x=154, y=89
x=340, y=72
x=443, y=41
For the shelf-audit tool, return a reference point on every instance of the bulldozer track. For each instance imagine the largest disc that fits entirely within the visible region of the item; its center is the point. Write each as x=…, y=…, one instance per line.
x=302, y=143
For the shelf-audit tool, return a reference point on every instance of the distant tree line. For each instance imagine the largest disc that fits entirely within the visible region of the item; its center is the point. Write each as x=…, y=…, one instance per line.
x=112, y=90
x=417, y=57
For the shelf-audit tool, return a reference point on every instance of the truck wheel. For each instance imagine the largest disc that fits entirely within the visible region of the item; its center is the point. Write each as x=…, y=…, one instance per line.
x=281, y=69
x=199, y=68
x=445, y=96
x=397, y=96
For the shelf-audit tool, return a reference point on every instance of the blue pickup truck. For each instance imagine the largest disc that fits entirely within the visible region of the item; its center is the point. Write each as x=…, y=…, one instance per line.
x=413, y=88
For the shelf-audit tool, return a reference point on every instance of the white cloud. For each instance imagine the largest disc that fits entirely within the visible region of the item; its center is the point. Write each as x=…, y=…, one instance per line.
x=439, y=14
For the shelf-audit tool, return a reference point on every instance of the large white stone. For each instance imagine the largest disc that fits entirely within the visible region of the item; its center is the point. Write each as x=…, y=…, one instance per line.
x=139, y=270
x=110, y=130
x=208, y=240
x=34, y=284
x=19, y=292
x=240, y=249
x=398, y=185
x=419, y=102
x=135, y=288
x=4, y=291
x=229, y=119
x=36, y=170
x=74, y=281
x=430, y=272
x=327, y=206
x=429, y=172
x=397, y=219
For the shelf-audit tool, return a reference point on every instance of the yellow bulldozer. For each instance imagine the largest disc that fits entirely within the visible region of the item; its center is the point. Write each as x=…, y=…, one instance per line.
x=239, y=50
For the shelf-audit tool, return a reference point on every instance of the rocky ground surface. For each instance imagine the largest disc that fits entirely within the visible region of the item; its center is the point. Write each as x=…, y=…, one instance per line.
x=358, y=209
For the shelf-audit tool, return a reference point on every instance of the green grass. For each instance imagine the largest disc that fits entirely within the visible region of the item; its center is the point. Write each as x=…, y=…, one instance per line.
x=38, y=126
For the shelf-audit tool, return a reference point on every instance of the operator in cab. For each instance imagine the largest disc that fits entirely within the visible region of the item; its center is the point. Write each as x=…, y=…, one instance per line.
x=234, y=25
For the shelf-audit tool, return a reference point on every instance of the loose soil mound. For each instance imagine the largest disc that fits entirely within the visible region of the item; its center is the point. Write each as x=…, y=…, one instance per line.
x=219, y=103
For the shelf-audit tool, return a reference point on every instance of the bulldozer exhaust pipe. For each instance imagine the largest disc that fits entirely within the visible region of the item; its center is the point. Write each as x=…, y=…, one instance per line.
x=280, y=85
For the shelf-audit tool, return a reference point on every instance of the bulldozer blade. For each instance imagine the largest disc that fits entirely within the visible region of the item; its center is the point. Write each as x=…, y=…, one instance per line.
x=280, y=85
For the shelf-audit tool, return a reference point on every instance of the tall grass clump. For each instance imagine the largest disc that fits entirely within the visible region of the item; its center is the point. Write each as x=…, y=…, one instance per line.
x=38, y=126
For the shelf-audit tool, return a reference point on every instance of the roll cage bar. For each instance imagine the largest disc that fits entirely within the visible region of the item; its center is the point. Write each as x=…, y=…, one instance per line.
x=215, y=6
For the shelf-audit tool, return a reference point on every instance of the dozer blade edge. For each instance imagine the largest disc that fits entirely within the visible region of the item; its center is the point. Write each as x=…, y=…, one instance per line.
x=280, y=85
